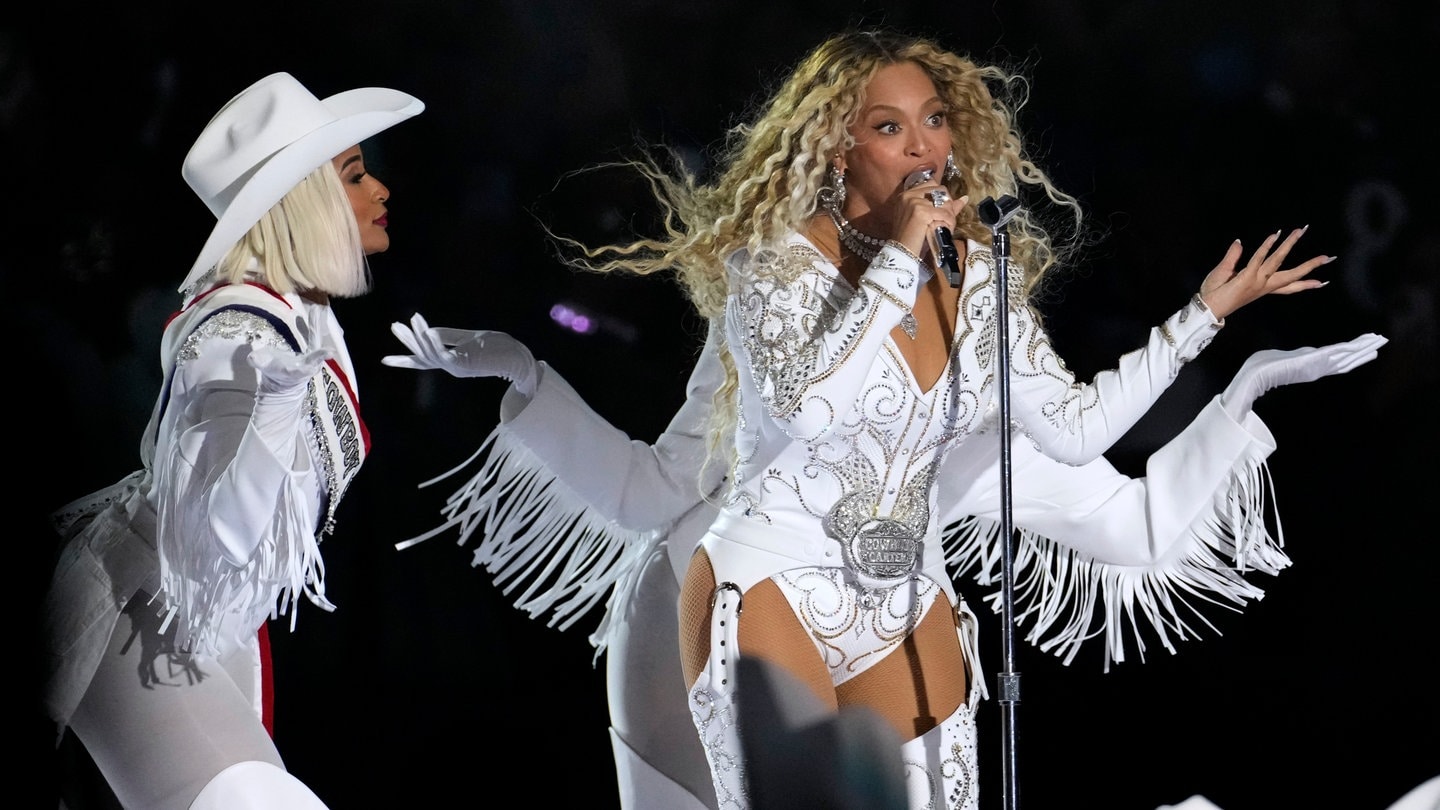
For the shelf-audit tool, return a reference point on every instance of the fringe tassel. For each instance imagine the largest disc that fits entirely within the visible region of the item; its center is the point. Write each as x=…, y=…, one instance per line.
x=1056, y=591
x=546, y=548
x=199, y=589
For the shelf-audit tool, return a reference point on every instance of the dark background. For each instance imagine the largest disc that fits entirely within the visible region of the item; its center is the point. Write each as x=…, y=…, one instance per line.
x=1181, y=126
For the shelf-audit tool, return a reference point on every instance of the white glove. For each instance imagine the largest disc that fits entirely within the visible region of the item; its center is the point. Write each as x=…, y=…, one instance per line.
x=1271, y=368
x=283, y=380
x=465, y=353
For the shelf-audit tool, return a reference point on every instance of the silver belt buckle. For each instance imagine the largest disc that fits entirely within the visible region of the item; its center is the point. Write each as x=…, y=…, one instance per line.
x=883, y=549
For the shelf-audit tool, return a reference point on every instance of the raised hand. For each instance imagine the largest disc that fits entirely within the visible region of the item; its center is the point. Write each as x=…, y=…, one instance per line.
x=464, y=353
x=284, y=373
x=1227, y=289
x=1272, y=368
x=283, y=379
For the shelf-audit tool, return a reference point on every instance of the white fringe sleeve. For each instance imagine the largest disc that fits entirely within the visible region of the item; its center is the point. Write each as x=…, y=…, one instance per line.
x=1098, y=553
x=545, y=546
x=211, y=469
x=563, y=506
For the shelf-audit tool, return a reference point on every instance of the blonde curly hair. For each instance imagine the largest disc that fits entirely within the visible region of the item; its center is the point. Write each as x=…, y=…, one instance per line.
x=772, y=169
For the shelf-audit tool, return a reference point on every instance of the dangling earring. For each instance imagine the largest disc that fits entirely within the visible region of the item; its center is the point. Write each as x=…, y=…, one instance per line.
x=832, y=196
x=951, y=170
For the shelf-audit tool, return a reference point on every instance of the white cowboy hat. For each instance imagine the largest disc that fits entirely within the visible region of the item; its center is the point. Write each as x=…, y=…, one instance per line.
x=267, y=139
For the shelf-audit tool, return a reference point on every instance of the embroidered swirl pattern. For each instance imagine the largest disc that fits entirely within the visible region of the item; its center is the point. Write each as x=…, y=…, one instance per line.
x=872, y=440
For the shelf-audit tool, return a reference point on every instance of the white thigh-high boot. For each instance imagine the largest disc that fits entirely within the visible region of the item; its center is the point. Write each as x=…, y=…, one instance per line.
x=642, y=787
x=712, y=702
x=256, y=786
x=940, y=766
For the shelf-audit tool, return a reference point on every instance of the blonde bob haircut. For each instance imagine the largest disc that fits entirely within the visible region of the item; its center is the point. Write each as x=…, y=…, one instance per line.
x=307, y=242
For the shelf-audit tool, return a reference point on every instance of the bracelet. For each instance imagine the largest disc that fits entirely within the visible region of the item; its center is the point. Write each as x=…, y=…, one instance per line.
x=1200, y=304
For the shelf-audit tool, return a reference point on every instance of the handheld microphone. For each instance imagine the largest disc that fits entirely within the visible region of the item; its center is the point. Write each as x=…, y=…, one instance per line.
x=949, y=258
x=943, y=243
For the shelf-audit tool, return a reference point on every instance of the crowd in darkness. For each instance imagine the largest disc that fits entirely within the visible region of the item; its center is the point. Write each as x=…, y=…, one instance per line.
x=1180, y=126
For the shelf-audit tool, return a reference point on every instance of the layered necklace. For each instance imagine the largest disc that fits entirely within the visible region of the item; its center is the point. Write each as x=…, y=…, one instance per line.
x=867, y=248
x=861, y=244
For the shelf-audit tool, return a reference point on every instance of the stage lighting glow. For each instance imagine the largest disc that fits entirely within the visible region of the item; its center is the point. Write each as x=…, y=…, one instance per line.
x=572, y=319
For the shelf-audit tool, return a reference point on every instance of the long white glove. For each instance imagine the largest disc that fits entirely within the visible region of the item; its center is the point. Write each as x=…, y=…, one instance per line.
x=1272, y=368
x=244, y=501
x=283, y=378
x=465, y=353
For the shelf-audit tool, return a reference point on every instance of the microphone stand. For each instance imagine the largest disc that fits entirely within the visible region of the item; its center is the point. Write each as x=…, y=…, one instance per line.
x=997, y=215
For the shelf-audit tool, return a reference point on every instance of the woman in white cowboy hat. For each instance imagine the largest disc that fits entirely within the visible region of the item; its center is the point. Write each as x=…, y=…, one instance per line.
x=156, y=611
